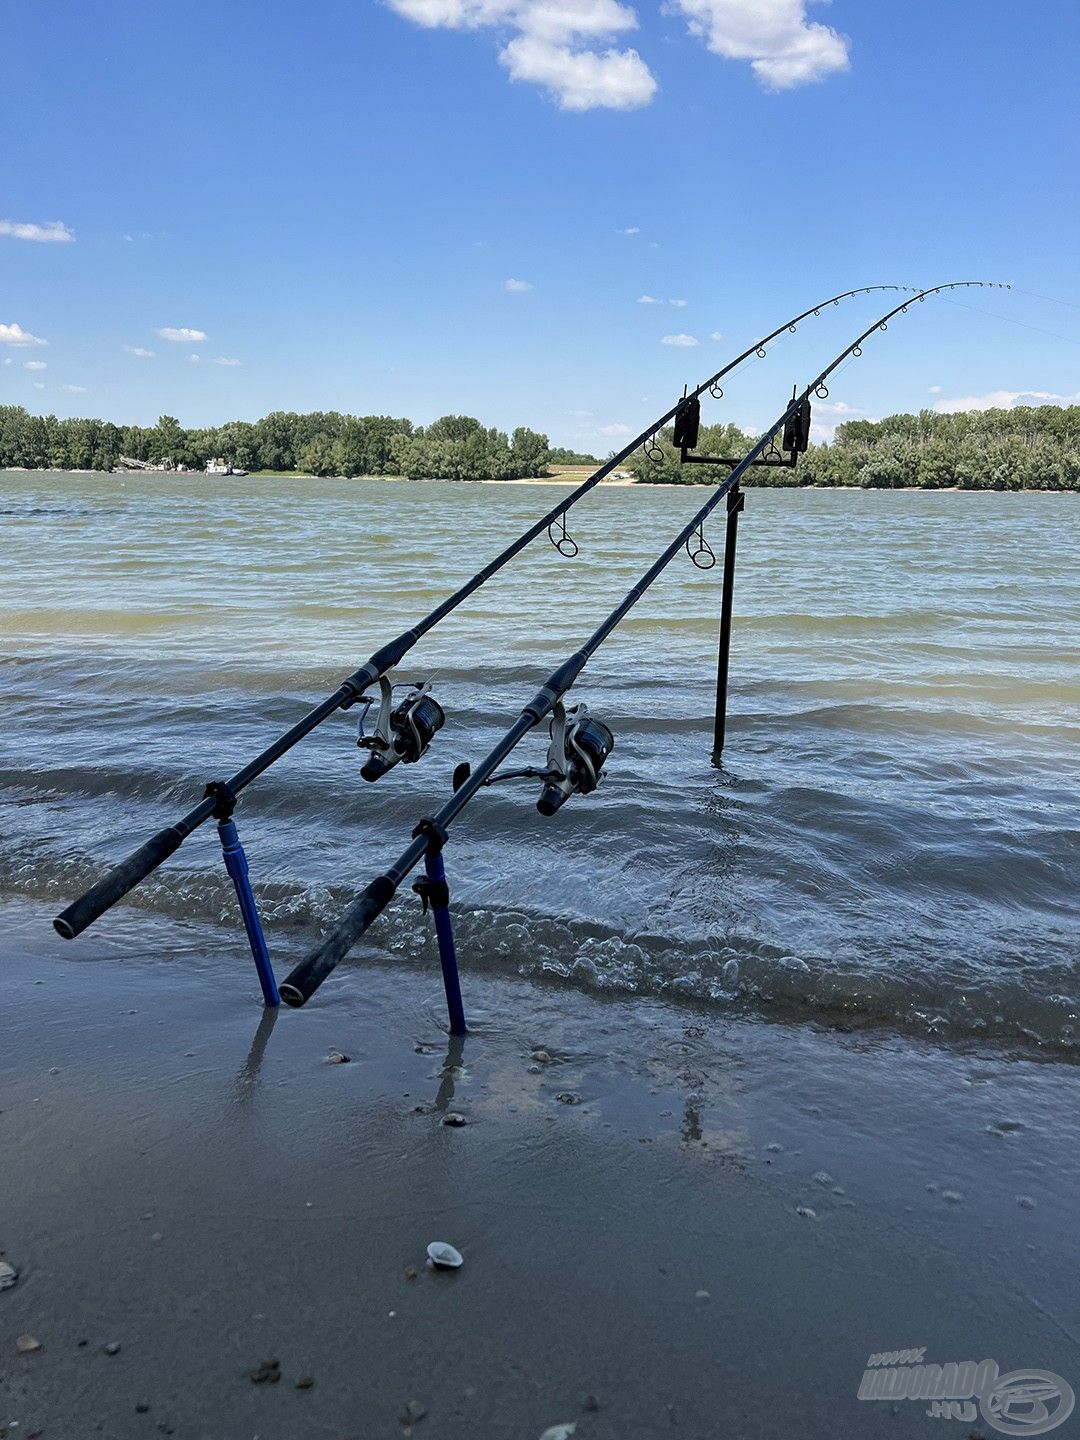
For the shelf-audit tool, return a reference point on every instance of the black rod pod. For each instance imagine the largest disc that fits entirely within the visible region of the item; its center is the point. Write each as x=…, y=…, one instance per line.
x=580, y=744
x=402, y=733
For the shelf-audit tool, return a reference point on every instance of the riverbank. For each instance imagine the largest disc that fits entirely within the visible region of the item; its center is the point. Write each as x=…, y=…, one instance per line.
x=672, y=1222
x=568, y=479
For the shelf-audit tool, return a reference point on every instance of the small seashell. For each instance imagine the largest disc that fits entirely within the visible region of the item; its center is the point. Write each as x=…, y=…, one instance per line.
x=566, y=1097
x=806, y=1212
x=444, y=1257
x=112, y=1348
x=27, y=1344
x=559, y=1432
x=8, y=1275
x=337, y=1057
x=454, y=1120
x=542, y=1057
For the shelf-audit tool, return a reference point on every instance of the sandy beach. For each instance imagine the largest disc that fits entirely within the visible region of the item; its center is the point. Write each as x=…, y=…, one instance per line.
x=673, y=1223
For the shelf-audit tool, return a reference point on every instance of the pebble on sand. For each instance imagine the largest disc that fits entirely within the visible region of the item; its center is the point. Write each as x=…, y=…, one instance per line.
x=27, y=1344
x=806, y=1212
x=443, y=1256
x=8, y=1275
x=454, y=1119
x=560, y=1432
x=268, y=1373
x=413, y=1412
x=306, y=1382
x=112, y=1348
x=337, y=1057
x=566, y=1097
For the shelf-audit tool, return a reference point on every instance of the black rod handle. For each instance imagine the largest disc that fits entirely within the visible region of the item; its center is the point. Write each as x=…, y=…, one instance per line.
x=304, y=979
x=116, y=884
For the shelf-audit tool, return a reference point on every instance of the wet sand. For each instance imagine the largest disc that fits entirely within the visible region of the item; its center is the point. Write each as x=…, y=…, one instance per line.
x=194, y=1182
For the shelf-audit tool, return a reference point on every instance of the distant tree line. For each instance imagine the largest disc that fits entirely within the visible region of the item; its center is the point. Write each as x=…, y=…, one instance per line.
x=559, y=456
x=1029, y=448
x=1024, y=449
x=453, y=448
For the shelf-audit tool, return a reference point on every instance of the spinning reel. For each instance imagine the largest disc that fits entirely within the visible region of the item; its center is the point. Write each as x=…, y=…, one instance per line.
x=580, y=744
x=402, y=732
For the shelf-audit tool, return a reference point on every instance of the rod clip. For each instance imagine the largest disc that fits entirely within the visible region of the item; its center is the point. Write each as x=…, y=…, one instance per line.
x=435, y=834
x=224, y=800
x=435, y=893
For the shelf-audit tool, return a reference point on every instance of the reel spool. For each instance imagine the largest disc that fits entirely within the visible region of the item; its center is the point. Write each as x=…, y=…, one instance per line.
x=403, y=733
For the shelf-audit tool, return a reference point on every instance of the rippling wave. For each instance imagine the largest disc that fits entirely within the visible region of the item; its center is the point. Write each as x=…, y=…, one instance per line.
x=894, y=836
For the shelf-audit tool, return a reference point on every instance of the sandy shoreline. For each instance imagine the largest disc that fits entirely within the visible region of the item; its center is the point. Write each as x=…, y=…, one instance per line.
x=199, y=1186
x=568, y=481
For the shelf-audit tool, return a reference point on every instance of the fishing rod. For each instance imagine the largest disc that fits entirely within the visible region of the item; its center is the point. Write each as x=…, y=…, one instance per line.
x=404, y=728
x=591, y=740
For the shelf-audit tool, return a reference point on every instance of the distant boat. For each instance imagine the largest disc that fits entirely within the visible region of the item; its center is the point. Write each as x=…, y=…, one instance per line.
x=219, y=467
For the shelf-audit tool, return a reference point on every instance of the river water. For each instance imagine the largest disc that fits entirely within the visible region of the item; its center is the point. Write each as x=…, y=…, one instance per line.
x=894, y=837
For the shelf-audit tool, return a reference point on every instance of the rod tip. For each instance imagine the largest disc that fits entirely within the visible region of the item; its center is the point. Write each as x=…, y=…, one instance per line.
x=291, y=995
x=64, y=928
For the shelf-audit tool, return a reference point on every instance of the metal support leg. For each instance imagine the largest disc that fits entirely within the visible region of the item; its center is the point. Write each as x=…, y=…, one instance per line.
x=237, y=866
x=735, y=502
x=438, y=892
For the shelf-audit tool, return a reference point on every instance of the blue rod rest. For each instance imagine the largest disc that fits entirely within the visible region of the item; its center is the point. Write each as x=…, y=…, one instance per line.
x=237, y=866
x=444, y=930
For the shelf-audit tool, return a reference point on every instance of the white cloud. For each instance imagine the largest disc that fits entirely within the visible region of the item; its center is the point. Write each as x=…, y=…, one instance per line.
x=647, y=300
x=783, y=47
x=1003, y=400
x=7, y=359
x=225, y=360
x=517, y=287
x=14, y=334
x=613, y=430
x=679, y=304
x=39, y=385
x=194, y=359
x=554, y=46
x=838, y=411
x=139, y=351
x=35, y=365
x=715, y=335
x=52, y=232
x=630, y=230
x=73, y=389
x=684, y=340
x=181, y=335
x=934, y=390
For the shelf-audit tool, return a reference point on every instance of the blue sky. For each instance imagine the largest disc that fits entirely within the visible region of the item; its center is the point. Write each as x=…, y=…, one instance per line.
x=335, y=196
